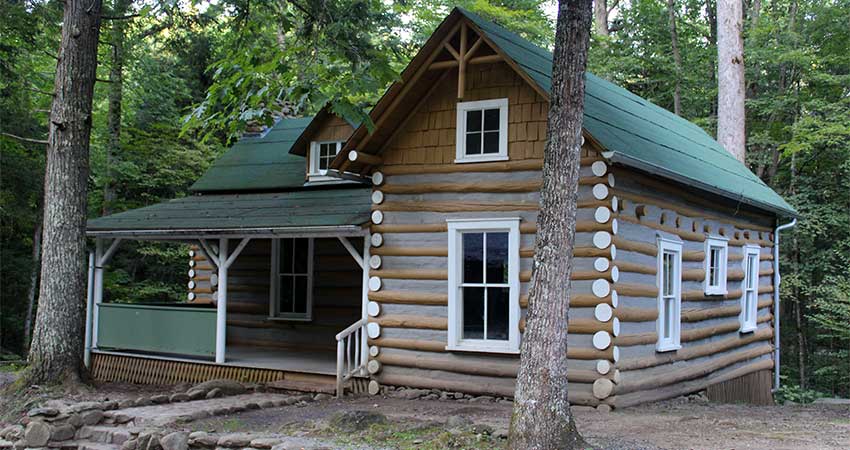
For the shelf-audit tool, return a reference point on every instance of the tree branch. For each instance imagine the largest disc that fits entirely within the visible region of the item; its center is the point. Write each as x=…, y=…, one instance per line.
x=127, y=17
x=38, y=90
x=23, y=139
x=101, y=80
x=614, y=5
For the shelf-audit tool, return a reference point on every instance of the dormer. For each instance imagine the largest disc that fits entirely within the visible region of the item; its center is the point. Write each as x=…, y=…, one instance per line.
x=320, y=142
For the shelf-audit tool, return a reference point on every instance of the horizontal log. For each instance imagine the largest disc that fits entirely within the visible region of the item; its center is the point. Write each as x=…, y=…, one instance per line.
x=506, y=166
x=486, y=59
x=411, y=321
x=411, y=274
x=524, y=228
x=632, y=383
x=364, y=158
x=687, y=235
x=631, y=246
x=456, y=206
x=409, y=298
x=675, y=390
x=699, y=295
x=573, y=352
x=636, y=290
x=646, y=269
x=696, y=351
x=696, y=315
x=410, y=251
x=627, y=340
x=496, y=187
x=581, y=326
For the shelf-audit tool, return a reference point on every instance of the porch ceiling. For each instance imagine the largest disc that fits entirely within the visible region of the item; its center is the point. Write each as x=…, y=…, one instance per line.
x=335, y=211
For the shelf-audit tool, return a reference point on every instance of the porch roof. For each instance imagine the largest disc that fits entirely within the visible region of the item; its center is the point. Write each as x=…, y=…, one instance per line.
x=314, y=210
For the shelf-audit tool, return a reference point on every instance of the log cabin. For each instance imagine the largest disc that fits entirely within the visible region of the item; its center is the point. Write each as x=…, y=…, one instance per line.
x=327, y=255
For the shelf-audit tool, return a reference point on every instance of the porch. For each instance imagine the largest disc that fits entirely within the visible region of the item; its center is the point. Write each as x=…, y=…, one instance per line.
x=265, y=303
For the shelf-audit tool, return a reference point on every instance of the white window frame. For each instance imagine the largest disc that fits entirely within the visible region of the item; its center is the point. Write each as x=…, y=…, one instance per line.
x=721, y=243
x=315, y=173
x=749, y=310
x=460, y=136
x=672, y=343
x=274, y=299
x=456, y=227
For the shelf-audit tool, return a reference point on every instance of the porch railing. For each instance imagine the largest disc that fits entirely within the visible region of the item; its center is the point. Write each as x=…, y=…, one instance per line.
x=350, y=354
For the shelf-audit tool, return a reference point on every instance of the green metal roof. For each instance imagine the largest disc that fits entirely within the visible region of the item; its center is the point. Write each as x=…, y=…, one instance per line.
x=259, y=162
x=338, y=207
x=640, y=134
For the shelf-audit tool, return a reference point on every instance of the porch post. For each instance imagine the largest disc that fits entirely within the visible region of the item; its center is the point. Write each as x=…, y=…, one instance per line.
x=97, y=289
x=221, y=303
x=364, y=349
x=89, y=312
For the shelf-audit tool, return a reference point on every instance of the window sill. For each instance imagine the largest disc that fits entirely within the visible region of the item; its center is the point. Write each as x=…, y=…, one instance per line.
x=483, y=348
x=667, y=347
x=749, y=328
x=481, y=159
x=289, y=319
x=716, y=291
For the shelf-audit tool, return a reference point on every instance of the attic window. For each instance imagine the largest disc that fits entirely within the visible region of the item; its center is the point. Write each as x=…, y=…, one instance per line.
x=482, y=131
x=321, y=155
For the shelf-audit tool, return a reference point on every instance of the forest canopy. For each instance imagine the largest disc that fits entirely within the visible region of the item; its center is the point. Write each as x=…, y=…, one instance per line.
x=178, y=81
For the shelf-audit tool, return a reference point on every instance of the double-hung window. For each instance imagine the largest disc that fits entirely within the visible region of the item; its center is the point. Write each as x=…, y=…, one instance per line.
x=482, y=131
x=484, y=285
x=669, y=295
x=321, y=155
x=749, y=296
x=716, y=262
x=292, y=279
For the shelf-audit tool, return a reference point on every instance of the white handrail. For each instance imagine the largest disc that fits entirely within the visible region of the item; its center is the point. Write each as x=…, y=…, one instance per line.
x=350, y=359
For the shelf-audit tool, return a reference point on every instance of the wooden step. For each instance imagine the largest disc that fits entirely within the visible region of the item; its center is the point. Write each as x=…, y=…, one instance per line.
x=303, y=386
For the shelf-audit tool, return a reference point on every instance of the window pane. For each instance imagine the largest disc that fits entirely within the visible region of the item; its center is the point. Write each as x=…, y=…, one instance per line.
x=667, y=275
x=473, y=313
x=497, y=312
x=491, y=142
x=286, y=256
x=300, y=295
x=491, y=119
x=473, y=143
x=286, y=302
x=713, y=256
x=752, y=271
x=670, y=317
x=473, y=120
x=497, y=257
x=302, y=252
x=473, y=246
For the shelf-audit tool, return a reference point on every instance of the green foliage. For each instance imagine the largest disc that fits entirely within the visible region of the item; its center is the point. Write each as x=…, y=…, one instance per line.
x=794, y=393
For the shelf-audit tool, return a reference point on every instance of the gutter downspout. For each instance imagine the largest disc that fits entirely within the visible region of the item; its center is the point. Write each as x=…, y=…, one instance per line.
x=89, y=312
x=776, y=280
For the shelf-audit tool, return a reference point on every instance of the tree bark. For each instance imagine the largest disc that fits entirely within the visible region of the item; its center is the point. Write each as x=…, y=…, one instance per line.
x=57, y=347
x=711, y=15
x=115, y=96
x=541, y=417
x=36, y=259
x=600, y=16
x=731, y=129
x=677, y=58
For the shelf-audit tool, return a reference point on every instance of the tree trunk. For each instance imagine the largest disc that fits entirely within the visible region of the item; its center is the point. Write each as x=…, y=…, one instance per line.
x=711, y=15
x=36, y=259
x=600, y=15
x=731, y=114
x=541, y=418
x=677, y=58
x=116, y=93
x=57, y=346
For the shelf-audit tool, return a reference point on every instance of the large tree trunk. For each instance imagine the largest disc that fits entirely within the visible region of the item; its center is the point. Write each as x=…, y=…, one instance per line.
x=730, y=81
x=31, y=293
x=677, y=58
x=542, y=417
x=600, y=16
x=116, y=93
x=711, y=15
x=57, y=347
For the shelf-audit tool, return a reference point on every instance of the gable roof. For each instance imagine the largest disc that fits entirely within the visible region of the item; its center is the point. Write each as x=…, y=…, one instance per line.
x=260, y=162
x=633, y=131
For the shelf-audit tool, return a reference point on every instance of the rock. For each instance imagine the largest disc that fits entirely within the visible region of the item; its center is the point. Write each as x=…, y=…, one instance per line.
x=431, y=396
x=267, y=404
x=457, y=422
x=131, y=444
x=153, y=443
x=251, y=406
x=235, y=440
x=350, y=421
x=143, y=439
x=179, y=398
x=202, y=439
x=196, y=394
x=46, y=412
x=226, y=387
x=603, y=408
x=413, y=394
x=121, y=418
x=214, y=393
x=143, y=401
x=12, y=432
x=322, y=397
x=159, y=399
x=119, y=436
x=293, y=443
x=110, y=405
x=482, y=399
x=91, y=417
x=833, y=402
x=62, y=433
x=84, y=406
x=264, y=442
x=177, y=440
x=124, y=404
x=37, y=434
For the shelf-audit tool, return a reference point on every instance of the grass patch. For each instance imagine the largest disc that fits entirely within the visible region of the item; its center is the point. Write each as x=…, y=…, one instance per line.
x=427, y=436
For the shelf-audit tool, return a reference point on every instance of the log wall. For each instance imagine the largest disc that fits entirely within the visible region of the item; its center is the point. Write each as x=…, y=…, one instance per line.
x=337, y=294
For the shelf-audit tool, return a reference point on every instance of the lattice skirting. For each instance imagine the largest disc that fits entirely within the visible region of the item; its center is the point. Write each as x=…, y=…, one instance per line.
x=131, y=369
x=753, y=389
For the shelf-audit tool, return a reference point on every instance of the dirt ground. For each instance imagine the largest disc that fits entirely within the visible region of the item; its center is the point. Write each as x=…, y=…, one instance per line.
x=677, y=424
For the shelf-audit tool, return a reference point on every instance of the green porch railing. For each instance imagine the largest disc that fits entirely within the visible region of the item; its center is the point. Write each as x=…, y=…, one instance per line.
x=157, y=328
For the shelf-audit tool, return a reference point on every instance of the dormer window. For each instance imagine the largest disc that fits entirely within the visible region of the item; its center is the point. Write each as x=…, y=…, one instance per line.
x=482, y=131
x=321, y=155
